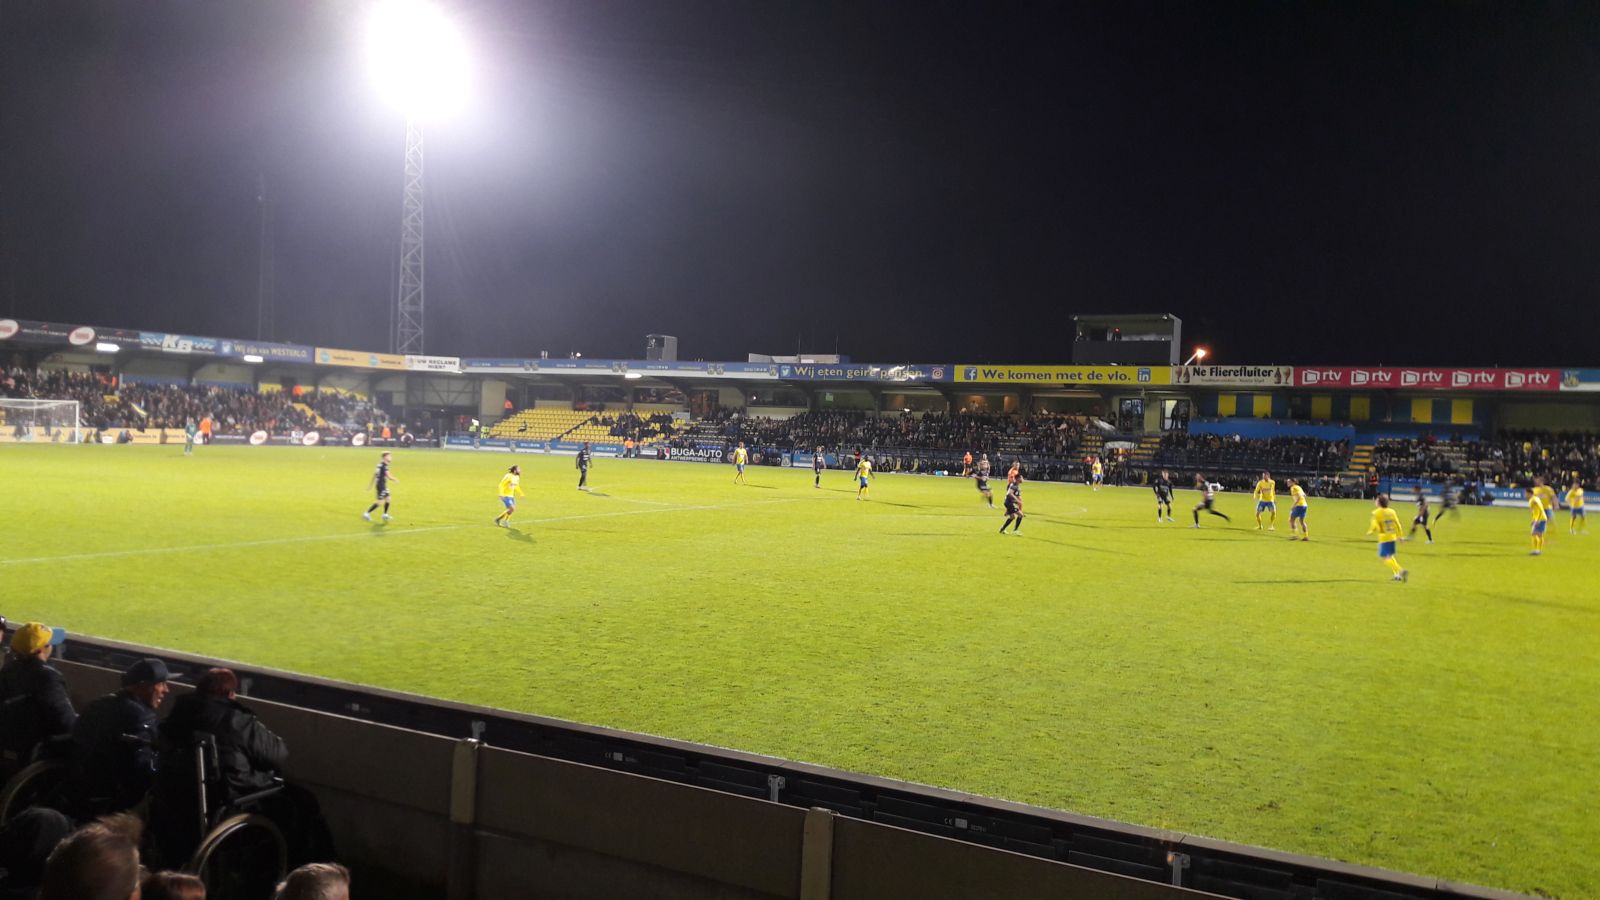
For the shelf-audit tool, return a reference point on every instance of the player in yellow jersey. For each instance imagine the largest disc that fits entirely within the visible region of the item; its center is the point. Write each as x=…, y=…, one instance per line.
x=1297, y=512
x=510, y=490
x=1541, y=519
x=1097, y=474
x=1546, y=495
x=740, y=457
x=1266, y=495
x=863, y=472
x=1387, y=525
x=1577, y=523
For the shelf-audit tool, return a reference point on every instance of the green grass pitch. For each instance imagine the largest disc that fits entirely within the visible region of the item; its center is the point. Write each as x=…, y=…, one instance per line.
x=1224, y=681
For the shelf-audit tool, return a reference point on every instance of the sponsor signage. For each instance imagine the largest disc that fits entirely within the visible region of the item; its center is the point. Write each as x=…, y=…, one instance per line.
x=1429, y=379
x=434, y=364
x=1580, y=379
x=269, y=352
x=25, y=331
x=1115, y=376
x=1234, y=376
x=709, y=453
x=258, y=438
x=181, y=344
x=622, y=367
x=862, y=372
x=328, y=356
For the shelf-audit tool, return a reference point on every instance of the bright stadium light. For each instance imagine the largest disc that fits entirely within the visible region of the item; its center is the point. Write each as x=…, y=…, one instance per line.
x=252, y=358
x=103, y=347
x=632, y=375
x=419, y=63
x=418, y=57
x=1199, y=353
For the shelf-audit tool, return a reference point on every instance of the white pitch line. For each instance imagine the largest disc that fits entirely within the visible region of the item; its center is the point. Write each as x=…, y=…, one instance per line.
x=272, y=542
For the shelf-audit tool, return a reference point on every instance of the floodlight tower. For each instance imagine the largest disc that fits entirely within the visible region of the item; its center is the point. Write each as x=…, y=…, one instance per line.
x=419, y=62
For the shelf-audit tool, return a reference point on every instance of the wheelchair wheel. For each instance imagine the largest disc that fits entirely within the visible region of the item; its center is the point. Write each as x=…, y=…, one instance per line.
x=242, y=858
x=29, y=787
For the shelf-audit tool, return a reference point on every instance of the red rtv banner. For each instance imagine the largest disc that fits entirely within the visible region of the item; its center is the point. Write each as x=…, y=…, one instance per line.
x=1429, y=379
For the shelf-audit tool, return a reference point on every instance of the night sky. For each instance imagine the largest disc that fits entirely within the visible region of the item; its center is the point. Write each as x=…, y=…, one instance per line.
x=1404, y=182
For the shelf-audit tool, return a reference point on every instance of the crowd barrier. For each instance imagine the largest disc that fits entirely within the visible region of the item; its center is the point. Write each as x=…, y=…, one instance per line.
x=435, y=799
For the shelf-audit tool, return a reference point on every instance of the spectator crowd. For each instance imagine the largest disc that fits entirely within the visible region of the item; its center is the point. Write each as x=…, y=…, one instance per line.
x=122, y=812
x=106, y=402
x=1509, y=459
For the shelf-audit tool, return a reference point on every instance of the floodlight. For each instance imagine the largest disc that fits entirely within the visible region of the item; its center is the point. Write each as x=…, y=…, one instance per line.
x=252, y=358
x=631, y=375
x=417, y=55
x=103, y=347
x=1199, y=353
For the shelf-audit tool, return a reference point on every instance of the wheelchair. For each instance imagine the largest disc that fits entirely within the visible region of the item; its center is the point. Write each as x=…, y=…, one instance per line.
x=201, y=826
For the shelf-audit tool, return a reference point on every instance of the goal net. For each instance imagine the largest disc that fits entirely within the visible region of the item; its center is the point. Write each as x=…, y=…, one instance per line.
x=40, y=421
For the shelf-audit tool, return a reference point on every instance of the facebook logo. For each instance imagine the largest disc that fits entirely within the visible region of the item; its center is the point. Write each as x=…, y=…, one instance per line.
x=972, y=373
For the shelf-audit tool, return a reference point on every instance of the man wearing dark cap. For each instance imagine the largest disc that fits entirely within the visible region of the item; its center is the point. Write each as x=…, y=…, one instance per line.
x=34, y=706
x=113, y=745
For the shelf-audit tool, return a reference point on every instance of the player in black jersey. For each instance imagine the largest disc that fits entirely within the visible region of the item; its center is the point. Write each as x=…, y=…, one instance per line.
x=1422, y=516
x=1209, y=489
x=1163, y=489
x=583, y=467
x=818, y=463
x=1013, y=499
x=981, y=476
x=380, y=481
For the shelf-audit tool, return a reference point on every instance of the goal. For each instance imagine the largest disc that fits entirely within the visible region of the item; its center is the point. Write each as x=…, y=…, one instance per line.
x=40, y=421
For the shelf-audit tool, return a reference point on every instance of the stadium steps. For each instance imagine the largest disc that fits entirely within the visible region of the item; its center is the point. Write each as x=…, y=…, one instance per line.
x=1093, y=444
x=1360, y=461
x=321, y=422
x=1146, y=451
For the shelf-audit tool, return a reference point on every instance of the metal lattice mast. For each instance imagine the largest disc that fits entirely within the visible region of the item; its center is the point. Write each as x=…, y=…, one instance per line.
x=408, y=311
x=266, y=284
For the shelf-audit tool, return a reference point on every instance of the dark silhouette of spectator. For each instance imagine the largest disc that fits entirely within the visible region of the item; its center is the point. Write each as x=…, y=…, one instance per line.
x=98, y=862
x=171, y=886
x=25, y=844
x=250, y=758
x=316, y=881
x=113, y=744
x=34, y=706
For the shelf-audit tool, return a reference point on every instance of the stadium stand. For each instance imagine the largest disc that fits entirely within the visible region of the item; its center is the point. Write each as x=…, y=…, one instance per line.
x=1237, y=459
x=1510, y=459
x=540, y=424
x=108, y=403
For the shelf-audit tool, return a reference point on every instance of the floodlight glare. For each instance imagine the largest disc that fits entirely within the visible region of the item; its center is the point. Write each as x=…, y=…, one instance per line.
x=253, y=358
x=104, y=347
x=418, y=58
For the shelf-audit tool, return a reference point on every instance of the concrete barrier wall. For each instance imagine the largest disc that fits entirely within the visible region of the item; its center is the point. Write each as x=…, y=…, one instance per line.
x=423, y=816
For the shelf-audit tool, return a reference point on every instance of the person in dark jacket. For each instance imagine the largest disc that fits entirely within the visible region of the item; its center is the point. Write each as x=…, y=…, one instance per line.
x=34, y=706
x=114, y=742
x=248, y=753
x=250, y=758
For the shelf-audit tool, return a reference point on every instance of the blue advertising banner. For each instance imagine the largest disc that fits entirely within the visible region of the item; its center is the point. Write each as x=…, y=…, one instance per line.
x=1580, y=379
x=620, y=367
x=864, y=372
x=178, y=343
x=269, y=352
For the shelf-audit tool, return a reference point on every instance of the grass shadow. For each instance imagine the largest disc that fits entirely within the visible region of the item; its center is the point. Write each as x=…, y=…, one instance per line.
x=517, y=534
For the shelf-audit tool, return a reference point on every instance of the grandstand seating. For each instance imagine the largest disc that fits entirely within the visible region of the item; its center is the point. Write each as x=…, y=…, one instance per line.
x=539, y=424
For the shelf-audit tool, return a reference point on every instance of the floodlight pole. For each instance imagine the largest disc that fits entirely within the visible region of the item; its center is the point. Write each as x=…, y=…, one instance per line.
x=409, y=309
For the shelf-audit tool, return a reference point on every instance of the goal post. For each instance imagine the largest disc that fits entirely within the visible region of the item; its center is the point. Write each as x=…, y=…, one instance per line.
x=25, y=420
